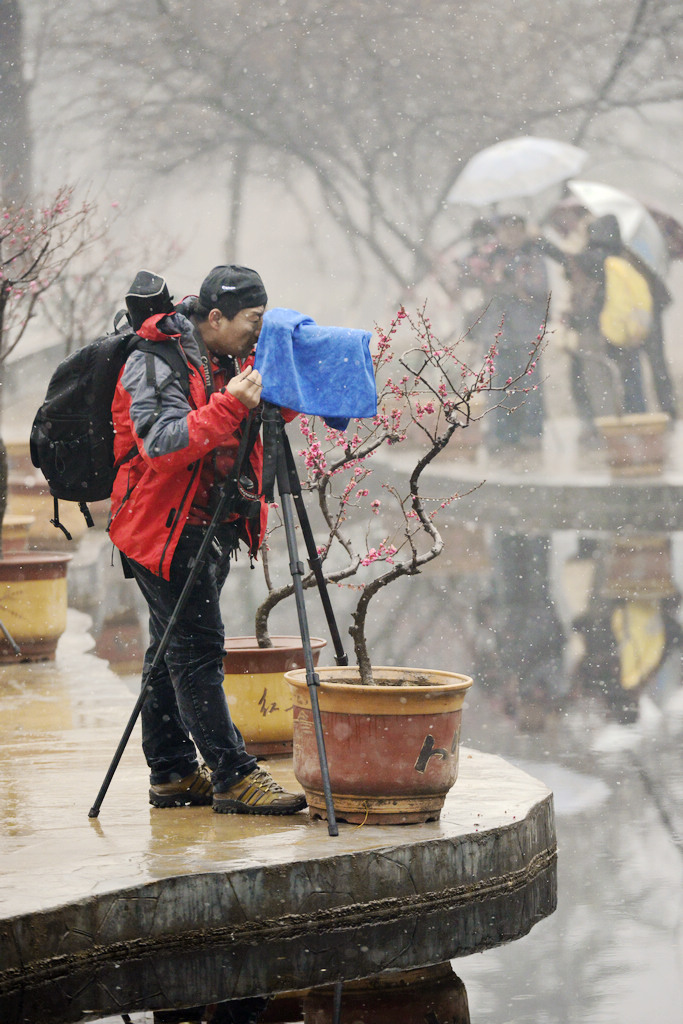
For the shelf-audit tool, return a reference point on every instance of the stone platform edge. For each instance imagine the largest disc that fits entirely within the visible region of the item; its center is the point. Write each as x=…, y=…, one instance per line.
x=276, y=901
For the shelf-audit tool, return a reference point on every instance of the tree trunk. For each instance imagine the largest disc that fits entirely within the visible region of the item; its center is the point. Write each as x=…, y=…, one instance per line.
x=15, y=132
x=238, y=172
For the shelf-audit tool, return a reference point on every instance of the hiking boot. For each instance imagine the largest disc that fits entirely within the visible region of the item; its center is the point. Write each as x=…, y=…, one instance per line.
x=196, y=788
x=257, y=793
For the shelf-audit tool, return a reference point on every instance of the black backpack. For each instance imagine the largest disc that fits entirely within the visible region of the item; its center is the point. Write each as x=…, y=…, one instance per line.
x=72, y=437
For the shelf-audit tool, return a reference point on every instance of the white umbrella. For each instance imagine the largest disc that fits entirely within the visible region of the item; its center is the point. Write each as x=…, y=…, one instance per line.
x=516, y=167
x=638, y=228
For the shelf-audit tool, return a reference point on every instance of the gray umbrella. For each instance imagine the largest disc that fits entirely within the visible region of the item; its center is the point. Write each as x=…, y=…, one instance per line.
x=516, y=167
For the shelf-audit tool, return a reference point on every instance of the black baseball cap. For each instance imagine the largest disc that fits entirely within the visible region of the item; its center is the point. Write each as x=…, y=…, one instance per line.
x=231, y=288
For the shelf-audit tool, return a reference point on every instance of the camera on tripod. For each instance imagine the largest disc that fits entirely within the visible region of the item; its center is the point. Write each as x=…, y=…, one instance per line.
x=243, y=497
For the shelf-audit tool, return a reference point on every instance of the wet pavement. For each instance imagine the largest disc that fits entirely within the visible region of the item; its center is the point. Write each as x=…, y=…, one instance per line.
x=137, y=878
x=611, y=951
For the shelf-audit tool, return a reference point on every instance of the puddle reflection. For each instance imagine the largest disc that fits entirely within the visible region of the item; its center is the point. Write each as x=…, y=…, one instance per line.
x=542, y=622
x=427, y=995
x=550, y=623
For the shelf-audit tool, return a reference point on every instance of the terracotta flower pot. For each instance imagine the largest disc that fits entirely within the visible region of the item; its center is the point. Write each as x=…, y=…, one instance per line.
x=33, y=603
x=636, y=444
x=392, y=748
x=259, y=699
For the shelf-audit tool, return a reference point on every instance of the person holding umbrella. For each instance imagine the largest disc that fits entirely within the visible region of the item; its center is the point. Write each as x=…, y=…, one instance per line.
x=651, y=239
x=588, y=276
x=521, y=301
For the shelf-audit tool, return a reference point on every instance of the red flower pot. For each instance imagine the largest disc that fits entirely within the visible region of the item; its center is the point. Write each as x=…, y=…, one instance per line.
x=392, y=747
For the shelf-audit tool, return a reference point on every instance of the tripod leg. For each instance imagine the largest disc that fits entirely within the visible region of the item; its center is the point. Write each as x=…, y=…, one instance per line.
x=207, y=540
x=10, y=639
x=296, y=569
x=337, y=1002
x=313, y=557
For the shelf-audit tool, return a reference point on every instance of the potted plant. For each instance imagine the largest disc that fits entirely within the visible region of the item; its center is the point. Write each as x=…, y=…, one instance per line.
x=257, y=691
x=395, y=759
x=636, y=443
x=37, y=245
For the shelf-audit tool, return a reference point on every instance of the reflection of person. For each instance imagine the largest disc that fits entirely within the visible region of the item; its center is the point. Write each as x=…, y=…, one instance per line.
x=626, y=642
x=532, y=648
x=183, y=448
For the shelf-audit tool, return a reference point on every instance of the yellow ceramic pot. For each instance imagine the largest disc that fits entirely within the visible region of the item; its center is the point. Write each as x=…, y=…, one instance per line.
x=15, y=532
x=258, y=696
x=33, y=603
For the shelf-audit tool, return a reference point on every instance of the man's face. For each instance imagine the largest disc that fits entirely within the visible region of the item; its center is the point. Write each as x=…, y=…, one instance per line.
x=235, y=337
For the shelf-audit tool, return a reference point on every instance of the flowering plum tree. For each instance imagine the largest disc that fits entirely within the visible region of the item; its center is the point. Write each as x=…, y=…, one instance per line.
x=426, y=392
x=37, y=245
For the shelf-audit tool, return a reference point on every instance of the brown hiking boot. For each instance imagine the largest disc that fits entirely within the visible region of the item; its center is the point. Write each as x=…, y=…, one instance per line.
x=257, y=793
x=196, y=788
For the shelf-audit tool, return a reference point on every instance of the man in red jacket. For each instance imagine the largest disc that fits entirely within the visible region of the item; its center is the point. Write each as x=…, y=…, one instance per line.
x=176, y=450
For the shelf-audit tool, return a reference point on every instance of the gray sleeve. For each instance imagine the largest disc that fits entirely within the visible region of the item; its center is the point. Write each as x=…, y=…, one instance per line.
x=160, y=421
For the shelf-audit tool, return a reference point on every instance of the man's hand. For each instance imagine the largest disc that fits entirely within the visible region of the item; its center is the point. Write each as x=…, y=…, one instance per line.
x=246, y=386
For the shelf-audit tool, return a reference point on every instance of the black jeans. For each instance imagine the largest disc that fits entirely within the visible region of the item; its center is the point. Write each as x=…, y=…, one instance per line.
x=186, y=704
x=630, y=370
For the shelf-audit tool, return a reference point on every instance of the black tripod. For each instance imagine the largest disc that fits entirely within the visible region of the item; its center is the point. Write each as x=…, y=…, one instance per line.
x=279, y=467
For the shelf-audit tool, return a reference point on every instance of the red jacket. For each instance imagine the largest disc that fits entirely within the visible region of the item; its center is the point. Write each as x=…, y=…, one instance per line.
x=153, y=491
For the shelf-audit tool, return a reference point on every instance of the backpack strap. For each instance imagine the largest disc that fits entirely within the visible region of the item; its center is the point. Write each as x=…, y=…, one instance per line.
x=55, y=521
x=207, y=375
x=248, y=437
x=121, y=318
x=173, y=356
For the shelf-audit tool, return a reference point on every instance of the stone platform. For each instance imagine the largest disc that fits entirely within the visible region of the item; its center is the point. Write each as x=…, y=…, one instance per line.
x=556, y=487
x=121, y=911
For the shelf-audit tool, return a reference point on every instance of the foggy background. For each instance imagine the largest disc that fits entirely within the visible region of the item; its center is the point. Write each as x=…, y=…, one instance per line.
x=317, y=142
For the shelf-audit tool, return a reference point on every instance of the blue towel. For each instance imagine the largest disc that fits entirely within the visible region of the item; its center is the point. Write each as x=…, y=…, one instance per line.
x=320, y=371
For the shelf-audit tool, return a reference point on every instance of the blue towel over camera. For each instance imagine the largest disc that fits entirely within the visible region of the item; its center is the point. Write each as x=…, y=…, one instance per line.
x=320, y=371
